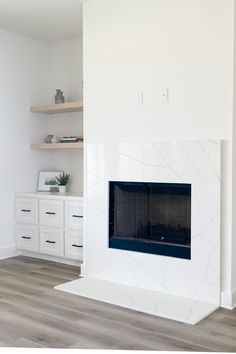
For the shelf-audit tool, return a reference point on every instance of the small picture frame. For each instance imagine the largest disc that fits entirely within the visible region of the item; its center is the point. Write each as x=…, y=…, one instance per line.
x=47, y=181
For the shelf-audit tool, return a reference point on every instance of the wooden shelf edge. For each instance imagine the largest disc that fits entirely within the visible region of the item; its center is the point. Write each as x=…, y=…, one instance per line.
x=66, y=107
x=57, y=146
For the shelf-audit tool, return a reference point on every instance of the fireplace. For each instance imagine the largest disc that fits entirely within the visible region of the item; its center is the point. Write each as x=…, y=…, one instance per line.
x=152, y=218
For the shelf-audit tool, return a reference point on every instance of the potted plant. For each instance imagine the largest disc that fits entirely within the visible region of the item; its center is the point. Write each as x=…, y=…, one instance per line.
x=62, y=181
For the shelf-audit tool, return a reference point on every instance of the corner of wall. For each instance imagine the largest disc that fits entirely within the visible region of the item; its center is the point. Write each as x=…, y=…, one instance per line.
x=8, y=252
x=228, y=300
x=83, y=270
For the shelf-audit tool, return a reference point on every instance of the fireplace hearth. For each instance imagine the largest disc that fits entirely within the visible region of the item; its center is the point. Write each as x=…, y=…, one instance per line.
x=152, y=218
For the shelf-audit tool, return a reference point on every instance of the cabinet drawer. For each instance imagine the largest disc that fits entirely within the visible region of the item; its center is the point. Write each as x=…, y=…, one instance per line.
x=27, y=210
x=74, y=214
x=27, y=237
x=51, y=213
x=51, y=241
x=74, y=244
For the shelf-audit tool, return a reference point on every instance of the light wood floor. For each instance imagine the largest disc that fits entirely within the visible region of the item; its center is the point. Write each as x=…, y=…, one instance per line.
x=33, y=314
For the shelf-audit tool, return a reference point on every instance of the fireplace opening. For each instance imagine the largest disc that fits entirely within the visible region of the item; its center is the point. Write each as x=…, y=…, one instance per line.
x=151, y=218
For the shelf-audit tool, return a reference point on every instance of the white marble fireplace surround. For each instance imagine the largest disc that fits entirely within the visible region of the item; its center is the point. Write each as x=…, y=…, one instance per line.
x=184, y=290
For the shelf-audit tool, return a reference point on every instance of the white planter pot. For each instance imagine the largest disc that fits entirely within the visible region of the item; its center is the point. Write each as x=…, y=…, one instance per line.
x=62, y=189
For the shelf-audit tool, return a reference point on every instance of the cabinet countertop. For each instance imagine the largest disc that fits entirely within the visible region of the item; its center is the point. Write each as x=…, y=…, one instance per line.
x=48, y=195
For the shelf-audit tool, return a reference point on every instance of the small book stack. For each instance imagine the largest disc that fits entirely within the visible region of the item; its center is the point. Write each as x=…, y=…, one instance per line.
x=71, y=139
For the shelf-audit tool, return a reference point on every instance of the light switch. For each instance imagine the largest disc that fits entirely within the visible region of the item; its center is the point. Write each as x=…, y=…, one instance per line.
x=139, y=98
x=164, y=95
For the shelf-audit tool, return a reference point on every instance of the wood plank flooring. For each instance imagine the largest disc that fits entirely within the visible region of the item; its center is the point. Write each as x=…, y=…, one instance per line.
x=33, y=314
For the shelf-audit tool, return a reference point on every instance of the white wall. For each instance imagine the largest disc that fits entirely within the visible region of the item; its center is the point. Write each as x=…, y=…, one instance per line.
x=233, y=224
x=149, y=45
x=66, y=73
x=23, y=73
x=133, y=45
x=66, y=68
x=30, y=72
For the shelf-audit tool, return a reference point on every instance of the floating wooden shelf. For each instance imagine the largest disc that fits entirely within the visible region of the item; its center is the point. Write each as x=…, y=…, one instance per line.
x=57, y=146
x=58, y=108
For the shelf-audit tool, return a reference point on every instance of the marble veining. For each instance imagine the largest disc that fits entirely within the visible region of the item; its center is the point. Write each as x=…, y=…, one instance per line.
x=196, y=280
x=168, y=306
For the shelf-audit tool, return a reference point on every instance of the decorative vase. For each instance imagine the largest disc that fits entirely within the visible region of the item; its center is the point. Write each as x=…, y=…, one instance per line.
x=54, y=140
x=62, y=189
x=48, y=139
x=59, y=98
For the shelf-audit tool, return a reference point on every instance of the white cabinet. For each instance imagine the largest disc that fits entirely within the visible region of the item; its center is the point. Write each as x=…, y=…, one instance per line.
x=74, y=244
x=50, y=224
x=51, y=241
x=27, y=210
x=74, y=215
x=27, y=237
x=74, y=229
x=51, y=212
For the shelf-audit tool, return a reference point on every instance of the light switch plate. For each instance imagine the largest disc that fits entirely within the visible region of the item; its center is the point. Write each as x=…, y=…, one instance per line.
x=164, y=95
x=139, y=98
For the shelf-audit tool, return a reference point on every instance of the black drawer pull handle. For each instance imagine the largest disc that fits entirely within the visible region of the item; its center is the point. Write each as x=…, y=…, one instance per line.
x=51, y=241
x=77, y=246
x=26, y=210
x=77, y=216
x=48, y=213
x=26, y=237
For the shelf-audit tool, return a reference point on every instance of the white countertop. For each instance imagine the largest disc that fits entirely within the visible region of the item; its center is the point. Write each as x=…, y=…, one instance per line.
x=49, y=195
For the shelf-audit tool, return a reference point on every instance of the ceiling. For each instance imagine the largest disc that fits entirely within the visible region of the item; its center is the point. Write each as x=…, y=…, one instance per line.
x=46, y=20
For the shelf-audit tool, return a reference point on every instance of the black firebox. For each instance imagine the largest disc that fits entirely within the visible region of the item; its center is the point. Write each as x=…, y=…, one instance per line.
x=150, y=218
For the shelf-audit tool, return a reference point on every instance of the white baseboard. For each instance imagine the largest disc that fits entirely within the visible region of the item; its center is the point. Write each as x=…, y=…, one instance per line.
x=228, y=300
x=8, y=252
x=51, y=258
